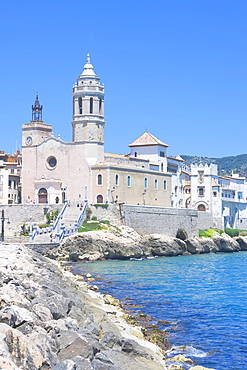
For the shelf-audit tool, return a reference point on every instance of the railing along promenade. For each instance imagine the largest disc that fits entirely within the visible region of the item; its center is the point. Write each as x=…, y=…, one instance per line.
x=58, y=228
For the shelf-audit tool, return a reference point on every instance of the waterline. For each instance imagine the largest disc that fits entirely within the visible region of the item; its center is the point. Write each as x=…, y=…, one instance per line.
x=205, y=296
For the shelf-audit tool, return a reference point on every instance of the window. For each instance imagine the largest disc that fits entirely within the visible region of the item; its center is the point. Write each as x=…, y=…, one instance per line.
x=162, y=154
x=135, y=154
x=162, y=167
x=99, y=179
x=176, y=190
x=201, y=191
x=52, y=162
x=128, y=181
x=215, y=193
x=80, y=105
x=145, y=183
x=91, y=105
x=200, y=176
x=100, y=105
x=12, y=171
x=164, y=185
x=116, y=180
x=240, y=195
x=155, y=184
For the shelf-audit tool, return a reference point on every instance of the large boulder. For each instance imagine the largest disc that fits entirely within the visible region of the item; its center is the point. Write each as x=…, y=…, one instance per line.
x=242, y=241
x=225, y=243
x=199, y=245
x=95, y=245
x=162, y=245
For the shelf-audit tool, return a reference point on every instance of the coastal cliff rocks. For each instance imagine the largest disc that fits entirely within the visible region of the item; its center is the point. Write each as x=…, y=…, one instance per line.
x=94, y=245
x=49, y=319
x=217, y=244
x=127, y=244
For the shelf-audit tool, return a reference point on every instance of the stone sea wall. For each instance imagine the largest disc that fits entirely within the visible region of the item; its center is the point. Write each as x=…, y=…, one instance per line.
x=166, y=221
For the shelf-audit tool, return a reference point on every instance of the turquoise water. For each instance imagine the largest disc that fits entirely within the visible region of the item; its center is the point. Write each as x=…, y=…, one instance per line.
x=205, y=296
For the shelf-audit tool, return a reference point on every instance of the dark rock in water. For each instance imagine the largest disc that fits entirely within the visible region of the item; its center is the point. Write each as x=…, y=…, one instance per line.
x=242, y=241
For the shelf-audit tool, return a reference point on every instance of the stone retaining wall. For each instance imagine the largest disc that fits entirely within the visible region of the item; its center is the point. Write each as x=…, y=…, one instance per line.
x=166, y=221
x=18, y=214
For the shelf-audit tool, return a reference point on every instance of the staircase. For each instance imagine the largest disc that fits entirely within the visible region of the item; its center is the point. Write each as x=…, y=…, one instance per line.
x=67, y=223
x=71, y=215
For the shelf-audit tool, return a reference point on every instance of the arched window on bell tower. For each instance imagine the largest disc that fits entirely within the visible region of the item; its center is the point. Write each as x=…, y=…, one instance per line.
x=80, y=105
x=91, y=105
x=100, y=105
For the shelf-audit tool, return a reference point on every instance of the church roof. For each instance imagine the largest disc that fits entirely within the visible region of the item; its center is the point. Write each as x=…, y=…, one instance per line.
x=147, y=139
x=88, y=68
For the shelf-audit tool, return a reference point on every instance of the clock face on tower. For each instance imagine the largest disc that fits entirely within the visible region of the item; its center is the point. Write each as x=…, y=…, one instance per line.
x=29, y=140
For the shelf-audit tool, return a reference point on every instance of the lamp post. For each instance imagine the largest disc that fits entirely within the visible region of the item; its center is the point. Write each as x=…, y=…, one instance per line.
x=3, y=219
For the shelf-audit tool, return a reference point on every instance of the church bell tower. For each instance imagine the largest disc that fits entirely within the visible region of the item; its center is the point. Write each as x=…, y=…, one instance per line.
x=88, y=108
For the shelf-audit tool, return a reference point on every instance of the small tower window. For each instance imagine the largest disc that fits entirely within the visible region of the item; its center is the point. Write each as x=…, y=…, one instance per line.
x=116, y=180
x=164, y=185
x=80, y=105
x=91, y=105
x=145, y=183
x=155, y=184
x=162, y=167
x=100, y=105
x=99, y=179
x=128, y=181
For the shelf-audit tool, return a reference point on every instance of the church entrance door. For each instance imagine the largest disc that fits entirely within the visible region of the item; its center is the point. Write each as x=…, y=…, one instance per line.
x=43, y=196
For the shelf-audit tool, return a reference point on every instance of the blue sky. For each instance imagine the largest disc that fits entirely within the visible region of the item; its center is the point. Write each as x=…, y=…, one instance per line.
x=176, y=68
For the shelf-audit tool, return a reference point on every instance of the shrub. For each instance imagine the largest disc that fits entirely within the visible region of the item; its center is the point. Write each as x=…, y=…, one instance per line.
x=243, y=233
x=209, y=233
x=52, y=216
x=231, y=232
x=103, y=205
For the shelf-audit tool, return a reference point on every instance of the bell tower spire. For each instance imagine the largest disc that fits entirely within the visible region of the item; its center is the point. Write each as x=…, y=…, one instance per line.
x=88, y=106
x=37, y=110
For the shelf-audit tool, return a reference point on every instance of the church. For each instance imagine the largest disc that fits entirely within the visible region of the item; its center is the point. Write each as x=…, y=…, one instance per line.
x=54, y=171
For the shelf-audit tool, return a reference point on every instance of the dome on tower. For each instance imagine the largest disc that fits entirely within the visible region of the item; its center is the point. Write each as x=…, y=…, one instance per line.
x=88, y=68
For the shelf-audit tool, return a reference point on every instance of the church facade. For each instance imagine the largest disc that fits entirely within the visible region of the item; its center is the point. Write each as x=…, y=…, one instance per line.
x=54, y=171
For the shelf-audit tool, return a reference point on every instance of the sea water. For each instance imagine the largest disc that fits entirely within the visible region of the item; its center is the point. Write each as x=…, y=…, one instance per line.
x=203, y=296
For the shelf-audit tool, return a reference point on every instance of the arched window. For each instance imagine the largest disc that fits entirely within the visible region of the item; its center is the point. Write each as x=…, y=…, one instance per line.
x=155, y=184
x=164, y=185
x=91, y=105
x=116, y=180
x=100, y=105
x=162, y=167
x=99, y=198
x=128, y=181
x=99, y=179
x=80, y=105
x=42, y=194
x=145, y=183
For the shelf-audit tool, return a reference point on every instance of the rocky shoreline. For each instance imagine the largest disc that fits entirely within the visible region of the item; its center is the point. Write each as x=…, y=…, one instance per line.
x=51, y=319
x=126, y=243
